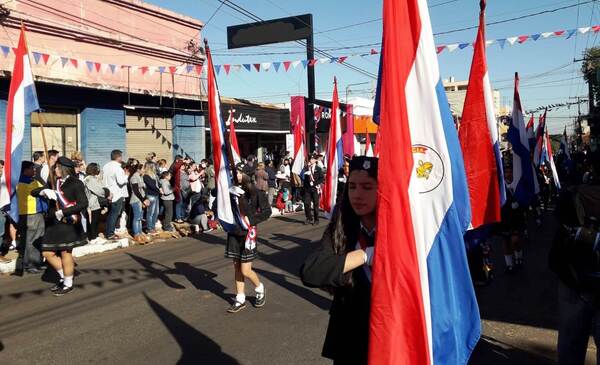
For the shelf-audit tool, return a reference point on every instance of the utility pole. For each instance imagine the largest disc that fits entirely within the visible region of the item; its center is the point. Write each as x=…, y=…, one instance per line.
x=579, y=127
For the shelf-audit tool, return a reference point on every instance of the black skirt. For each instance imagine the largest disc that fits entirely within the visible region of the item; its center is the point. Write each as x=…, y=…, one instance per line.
x=235, y=248
x=63, y=236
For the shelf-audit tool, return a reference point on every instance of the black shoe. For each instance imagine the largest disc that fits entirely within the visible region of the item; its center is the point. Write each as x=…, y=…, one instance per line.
x=33, y=270
x=316, y=223
x=306, y=222
x=62, y=291
x=509, y=270
x=236, y=307
x=261, y=299
x=57, y=287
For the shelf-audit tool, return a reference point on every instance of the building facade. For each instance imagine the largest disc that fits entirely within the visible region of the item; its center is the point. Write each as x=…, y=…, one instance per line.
x=457, y=91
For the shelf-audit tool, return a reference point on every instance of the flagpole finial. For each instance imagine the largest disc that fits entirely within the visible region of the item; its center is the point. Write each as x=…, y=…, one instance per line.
x=482, y=5
x=334, y=80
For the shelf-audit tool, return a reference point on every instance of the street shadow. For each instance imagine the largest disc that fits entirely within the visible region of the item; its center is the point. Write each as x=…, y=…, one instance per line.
x=157, y=273
x=202, y=279
x=299, y=290
x=1, y=346
x=491, y=352
x=299, y=219
x=267, y=243
x=210, y=238
x=196, y=348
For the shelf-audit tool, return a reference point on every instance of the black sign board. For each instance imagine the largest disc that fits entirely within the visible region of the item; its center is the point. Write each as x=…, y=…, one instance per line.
x=270, y=31
x=255, y=117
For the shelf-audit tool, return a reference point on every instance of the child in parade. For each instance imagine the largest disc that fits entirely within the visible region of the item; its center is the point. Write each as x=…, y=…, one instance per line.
x=343, y=263
x=251, y=207
x=67, y=231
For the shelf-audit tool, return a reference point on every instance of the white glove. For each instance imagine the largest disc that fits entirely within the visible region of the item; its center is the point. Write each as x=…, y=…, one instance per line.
x=236, y=190
x=369, y=253
x=48, y=193
x=59, y=215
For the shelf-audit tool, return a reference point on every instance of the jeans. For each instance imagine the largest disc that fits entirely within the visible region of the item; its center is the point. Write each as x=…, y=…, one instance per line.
x=579, y=317
x=270, y=195
x=136, y=224
x=181, y=207
x=116, y=208
x=152, y=212
x=2, y=226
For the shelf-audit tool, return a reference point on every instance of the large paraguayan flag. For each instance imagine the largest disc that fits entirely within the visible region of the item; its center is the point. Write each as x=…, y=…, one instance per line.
x=479, y=140
x=423, y=306
x=539, y=152
x=335, y=155
x=235, y=149
x=22, y=100
x=550, y=155
x=531, y=133
x=564, y=144
x=223, y=182
x=524, y=184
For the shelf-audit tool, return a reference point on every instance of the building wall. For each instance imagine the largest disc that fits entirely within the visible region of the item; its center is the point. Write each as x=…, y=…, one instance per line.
x=102, y=130
x=26, y=133
x=189, y=136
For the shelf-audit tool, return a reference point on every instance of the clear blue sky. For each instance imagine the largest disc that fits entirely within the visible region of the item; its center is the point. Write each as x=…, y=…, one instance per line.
x=529, y=59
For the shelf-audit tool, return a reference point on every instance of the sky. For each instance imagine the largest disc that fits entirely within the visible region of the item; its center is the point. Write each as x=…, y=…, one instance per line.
x=546, y=68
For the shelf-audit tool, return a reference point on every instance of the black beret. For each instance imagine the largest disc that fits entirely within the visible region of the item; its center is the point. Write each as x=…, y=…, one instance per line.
x=66, y=162
x=240, y=166
x=368, y=164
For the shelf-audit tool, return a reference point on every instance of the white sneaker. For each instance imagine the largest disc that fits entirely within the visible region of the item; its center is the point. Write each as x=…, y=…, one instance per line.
x=100, y=241
x=13, y=246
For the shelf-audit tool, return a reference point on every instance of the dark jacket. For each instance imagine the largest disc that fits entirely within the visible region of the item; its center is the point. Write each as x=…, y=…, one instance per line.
x=272, y=177
x=316, y=180
x=151, y=186
x=347, y=335
x=255, y=206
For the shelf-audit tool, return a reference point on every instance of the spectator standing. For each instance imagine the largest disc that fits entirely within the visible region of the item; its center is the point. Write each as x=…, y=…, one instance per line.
x=98, y=197
x=138, y=202
x=262, y=178
x=167, y=197
x=272, y=181
x=285, y=169
x=115, y=179
x=250, y=167
x=52, y=158
x=153, y=195
x=184, y=192
x=38, y=163
x=151, y=157
x=162, y=166
x=209, y=170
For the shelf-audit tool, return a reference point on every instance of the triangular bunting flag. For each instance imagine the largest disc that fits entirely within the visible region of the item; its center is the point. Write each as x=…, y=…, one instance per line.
x=512, y=40
x=324, y=60
x=547, y=34
x=217, y=68
x=312, y=62
x=333, y=59
x=439, y=49
x=535, y=37
x=199, y=69
x=144, y=69
x=596, y=28
x=164, y=140
x=90, y=65
x=373, y=51
x=133, y=69
x=247, y=66
x=172, y=69
x=523, y=38
x=571, y=32
x=152, y=70
x=452, y=47
x=189, y=68
x=502, y=42
x=74, y=62
x=342, y=59
x=257, y=67
x=304, y=63
x=64, y=61
x=584, y=30
x=463, y=45
x=5, y=50
x=45, y=57
x=169, y=144
x=489, y=42
x=559, y=33
x=286, y=65
x=226, y=68
x=97, y=65
x=161, y=69
x=36, y=57
x=266, y=66
x=296, y=63
x=276, y=66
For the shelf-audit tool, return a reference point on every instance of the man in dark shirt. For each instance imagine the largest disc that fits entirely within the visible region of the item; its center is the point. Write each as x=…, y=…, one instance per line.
x=313, y=177
x=272, y=181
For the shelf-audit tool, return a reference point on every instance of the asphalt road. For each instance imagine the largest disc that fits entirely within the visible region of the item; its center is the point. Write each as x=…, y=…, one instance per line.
x=165, y=304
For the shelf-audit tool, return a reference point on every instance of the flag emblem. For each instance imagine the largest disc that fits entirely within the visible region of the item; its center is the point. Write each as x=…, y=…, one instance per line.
x=429, y=169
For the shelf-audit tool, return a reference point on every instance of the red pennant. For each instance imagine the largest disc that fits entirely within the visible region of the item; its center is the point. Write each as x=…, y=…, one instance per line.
x=198, y=69
x=286, y=65
x=523, y=38
x=226, y=67
x=144, y=69
x=342, y=59
x=257, y=67
x=97, y=65
x=559, y=33
x=440, y=49
x=45, y=57
x=596, y=28
x=172, y=69
x=74, y=62
x=312, y=62
x=373, y=51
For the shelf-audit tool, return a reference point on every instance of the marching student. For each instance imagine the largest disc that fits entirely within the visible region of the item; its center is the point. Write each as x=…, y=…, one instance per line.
x=342, y=264
x=67, y=231
x=251, y=207
x=313, y=178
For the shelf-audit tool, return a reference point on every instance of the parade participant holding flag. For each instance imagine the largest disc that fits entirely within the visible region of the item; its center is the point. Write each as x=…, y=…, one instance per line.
x=343, y=262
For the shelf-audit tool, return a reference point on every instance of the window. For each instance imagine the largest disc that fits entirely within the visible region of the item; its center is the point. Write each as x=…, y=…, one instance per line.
x=60, y=130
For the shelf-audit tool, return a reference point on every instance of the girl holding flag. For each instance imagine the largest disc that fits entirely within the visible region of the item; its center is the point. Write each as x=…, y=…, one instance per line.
x=251, y=207
x=67, y=231
x=343, y=264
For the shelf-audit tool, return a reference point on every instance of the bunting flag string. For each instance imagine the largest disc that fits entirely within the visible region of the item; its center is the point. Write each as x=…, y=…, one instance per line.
x=42, y=58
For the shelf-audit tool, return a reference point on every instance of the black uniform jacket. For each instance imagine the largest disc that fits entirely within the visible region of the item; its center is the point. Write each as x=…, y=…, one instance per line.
x=347, y=336
x=318, y=178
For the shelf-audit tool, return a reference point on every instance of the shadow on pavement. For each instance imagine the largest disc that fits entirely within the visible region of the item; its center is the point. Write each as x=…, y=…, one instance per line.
x=492, y=352
x=301, y=291
x=160, y=274
x=202, y=279
x=196, y=348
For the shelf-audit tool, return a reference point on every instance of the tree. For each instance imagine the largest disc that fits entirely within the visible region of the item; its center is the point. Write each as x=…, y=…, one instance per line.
x=591, y=73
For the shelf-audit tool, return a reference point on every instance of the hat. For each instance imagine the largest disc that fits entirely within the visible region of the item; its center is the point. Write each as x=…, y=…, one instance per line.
x=313, y=156
x=66, y=162
x=364, y=163
x=239, y=166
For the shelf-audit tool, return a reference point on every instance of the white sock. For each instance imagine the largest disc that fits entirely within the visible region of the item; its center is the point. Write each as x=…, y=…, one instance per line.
x=509, y=260
x=61, y=273
x=260, y=288
x=68, y=281
x=13, y=243
x=240, y=298
x=518, y=255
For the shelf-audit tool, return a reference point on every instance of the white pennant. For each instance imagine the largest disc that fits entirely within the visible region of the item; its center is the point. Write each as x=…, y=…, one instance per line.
x=180, y=69
x=512, y=40
x=547, y=34
x=295, y=64
x=133, y=69
x=324, y=60
x=237, y=67
x=584, y=30
x=490, y=42
x=265, y=66
x=151, y=70
x=452, y=47
x=105, y=68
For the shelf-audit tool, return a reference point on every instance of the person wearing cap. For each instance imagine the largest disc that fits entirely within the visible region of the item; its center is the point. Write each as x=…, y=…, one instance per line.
x=250, y=207
x=67, y=230
x=313, y=177
x=342, y=264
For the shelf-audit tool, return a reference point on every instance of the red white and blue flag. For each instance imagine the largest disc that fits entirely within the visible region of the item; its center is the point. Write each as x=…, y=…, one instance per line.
x=335, y=155
x=538, y=154
x=478, y=136
x=235, y=149
x=368, y=147
x=564, y=144
x=530, y=132
x=299, y=149
x=550, y=158
x=423, y=306
x=22, y=100
x=223, y=181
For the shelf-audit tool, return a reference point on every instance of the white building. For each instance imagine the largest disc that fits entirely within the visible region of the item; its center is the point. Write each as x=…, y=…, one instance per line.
x=457, y=91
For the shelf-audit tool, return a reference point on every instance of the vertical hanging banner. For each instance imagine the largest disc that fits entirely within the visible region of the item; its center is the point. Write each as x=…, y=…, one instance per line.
x=298, y=122
x=348, y=136
x=335, y=155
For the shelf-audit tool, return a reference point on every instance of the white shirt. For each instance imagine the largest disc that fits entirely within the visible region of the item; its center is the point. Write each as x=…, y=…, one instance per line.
x=287, y=171
x=115, y=180
x=45, y=172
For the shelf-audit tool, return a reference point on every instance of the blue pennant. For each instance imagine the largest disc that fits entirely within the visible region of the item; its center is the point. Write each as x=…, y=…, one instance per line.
x=502, y=42
x=305, y=63
x=218, y=68
x=333, y=59
x=570, y=33
x=161, y=69
x=5, y=50
x=535, y=37
x=247, y=66
x=64, y=61
x=189, y=68
x=90, y=65
x=276, y=66
x=463, y=45
x=36, y=57
x=112, y=68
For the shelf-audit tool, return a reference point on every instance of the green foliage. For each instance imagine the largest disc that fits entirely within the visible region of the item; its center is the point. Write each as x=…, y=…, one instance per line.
x=591, y=71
